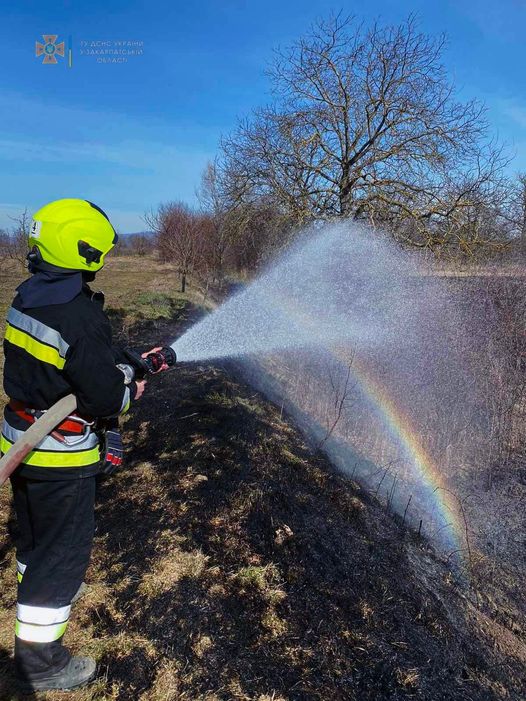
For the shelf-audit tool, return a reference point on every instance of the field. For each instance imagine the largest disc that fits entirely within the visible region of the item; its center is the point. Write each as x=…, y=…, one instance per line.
x=232, y=563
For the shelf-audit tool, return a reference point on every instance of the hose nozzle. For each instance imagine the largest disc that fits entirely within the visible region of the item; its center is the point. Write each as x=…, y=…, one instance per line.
x=160, y=360
x=155, y=362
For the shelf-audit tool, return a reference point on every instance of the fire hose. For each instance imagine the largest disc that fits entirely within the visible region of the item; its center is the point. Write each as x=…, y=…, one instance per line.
x=137, y=367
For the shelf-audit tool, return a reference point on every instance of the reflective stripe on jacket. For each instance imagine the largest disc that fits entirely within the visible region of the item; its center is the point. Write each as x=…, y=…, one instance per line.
x=53, y=453
x=52, y=351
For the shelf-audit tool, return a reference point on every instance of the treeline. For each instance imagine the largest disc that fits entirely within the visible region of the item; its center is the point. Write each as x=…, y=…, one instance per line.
x=365, y=125
x=212, y=243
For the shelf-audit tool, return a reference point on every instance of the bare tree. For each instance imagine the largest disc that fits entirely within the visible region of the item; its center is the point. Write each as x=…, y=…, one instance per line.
x=510, y=214
x=259, y=231
x=16, y=246
x=177, y=236
x=238, y=234
x=365, y=125
x=339, y=400
x=218, y=237
x=5, y=243
x=140, y=244
x=521, y=212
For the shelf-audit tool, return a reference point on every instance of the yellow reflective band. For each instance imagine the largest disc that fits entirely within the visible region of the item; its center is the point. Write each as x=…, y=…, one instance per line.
x=48, y=458
x=38, y=350
x=40, y=634
x=19, y=576
x=127, y=406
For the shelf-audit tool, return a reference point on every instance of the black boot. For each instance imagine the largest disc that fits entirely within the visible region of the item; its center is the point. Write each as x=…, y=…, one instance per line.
x=77, y=672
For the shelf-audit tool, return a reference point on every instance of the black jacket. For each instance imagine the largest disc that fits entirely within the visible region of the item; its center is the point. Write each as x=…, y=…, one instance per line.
x=59, y=349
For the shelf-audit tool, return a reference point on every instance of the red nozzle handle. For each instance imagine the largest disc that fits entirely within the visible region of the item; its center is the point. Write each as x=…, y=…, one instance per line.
x=163, y=359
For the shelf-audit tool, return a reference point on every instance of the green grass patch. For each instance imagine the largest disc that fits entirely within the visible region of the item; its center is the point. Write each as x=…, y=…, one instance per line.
x=231, y=402
x=154, y=305
x=259, y=577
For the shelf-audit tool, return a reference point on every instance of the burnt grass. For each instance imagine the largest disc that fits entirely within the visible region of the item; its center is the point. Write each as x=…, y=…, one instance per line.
x=232, y=562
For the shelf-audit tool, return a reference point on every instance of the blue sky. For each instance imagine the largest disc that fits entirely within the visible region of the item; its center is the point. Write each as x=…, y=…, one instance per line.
x=130, y=135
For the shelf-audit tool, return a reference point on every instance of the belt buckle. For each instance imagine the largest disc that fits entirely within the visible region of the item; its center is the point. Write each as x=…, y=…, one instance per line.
x=72, y=441
x=79, y=420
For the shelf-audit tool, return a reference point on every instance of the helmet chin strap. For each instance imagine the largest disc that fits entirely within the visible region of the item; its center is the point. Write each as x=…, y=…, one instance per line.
x=87, y=276
x=35, y=264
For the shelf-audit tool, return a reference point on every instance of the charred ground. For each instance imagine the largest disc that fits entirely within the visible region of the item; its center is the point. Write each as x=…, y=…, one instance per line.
x=231, y=563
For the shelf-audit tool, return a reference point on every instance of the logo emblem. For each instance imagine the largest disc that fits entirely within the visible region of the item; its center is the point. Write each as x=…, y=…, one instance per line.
x=35, y=229
x=49, y=49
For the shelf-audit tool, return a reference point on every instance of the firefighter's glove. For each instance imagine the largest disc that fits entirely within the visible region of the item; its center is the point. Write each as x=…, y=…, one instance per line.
x=113, y=452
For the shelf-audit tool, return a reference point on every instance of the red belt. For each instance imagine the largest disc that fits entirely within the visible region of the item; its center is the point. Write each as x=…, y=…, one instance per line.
x=31, y=415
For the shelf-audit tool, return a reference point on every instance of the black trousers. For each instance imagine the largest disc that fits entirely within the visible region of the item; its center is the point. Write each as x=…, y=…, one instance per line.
x=55, y=535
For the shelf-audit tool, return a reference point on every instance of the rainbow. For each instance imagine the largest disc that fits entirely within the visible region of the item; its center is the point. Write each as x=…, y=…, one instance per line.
x=400, y=428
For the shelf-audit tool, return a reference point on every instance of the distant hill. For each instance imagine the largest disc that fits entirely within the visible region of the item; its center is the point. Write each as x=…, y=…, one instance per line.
x=148, y=234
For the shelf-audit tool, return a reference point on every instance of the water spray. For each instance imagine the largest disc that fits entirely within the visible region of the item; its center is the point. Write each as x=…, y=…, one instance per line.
x=346, y=301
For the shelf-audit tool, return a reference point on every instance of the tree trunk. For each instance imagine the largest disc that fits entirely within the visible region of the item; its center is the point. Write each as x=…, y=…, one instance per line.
x=523, y=227
x=183, y=282
x=345, y=195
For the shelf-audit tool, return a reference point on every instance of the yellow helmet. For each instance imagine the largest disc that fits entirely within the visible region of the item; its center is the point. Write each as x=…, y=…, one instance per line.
x=71, y=234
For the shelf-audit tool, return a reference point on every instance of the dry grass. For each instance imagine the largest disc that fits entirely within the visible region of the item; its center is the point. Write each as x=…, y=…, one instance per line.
x=171, y=569
x=231, y=564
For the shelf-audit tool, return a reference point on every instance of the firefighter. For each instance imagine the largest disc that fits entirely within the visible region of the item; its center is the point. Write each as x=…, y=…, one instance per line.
x=57, y=342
